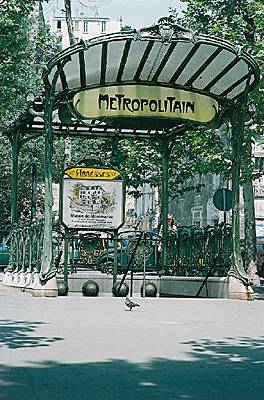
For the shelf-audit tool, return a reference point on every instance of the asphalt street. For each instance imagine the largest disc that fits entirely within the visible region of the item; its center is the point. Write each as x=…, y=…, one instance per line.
x=78, y=348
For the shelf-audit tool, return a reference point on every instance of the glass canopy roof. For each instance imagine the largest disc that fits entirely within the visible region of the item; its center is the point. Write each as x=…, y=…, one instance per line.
x=164, y=55
x=202, y=64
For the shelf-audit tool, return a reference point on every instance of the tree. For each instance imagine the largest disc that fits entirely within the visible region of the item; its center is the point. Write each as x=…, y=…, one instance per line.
x=240, y=21
x=195, y=152
x=16, y=58
x=67, y=4
x=29, y=153
x=26, y=44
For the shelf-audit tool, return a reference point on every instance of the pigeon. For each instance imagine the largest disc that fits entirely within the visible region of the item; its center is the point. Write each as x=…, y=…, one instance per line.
x=130, y=303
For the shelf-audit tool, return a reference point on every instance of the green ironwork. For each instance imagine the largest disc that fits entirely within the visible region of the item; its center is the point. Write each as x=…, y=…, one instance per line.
x=62, y=289
x=39, y=245
x=193, y=251
x=115, y=270
x=81, y=251
x=148, y=289
x=180, y=251
x=34, y=190
x=26, y=249
x=90, y=288
x=66, y=256
x=238, y=123
x=15, y=152
x=47, y=268
x=120, y=289
x=165, y=198
x=90, y=247
x=140, y=251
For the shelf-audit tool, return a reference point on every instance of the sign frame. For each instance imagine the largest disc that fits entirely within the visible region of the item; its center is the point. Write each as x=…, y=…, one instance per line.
x=146, y=101
x=113, y=180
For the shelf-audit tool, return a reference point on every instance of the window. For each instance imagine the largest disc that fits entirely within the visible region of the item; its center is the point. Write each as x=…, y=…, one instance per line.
x=198, y=182
x=259, y=163
x=76, y=25
x=197, y=217
x=258, y=190
x=197, y=200
x=103, y=26
x=260, y=248
x=58, y=25
x=85, y=26
x=216, y=181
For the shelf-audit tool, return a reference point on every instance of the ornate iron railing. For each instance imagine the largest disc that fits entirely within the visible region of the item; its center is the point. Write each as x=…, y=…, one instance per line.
x=191, y=251
x=26, y=247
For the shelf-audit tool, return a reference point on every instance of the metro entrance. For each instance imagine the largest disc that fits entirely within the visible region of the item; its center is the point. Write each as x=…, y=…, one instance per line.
x=155, y=83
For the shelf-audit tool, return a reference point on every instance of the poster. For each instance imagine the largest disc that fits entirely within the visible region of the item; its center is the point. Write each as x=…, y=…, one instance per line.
x=92, y=204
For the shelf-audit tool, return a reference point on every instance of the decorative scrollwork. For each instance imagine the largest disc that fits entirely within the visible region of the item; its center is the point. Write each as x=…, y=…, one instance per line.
x=166, y=29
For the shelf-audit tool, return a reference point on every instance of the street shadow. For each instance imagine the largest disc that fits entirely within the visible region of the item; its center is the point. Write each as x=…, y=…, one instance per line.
x=17, y=334
x=230, y=369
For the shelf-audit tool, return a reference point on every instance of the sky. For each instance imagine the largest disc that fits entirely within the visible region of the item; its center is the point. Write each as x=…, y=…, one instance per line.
x=138, y=13
x=135, y=13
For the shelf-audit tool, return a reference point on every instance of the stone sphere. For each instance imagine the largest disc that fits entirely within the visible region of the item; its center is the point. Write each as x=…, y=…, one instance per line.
x=123, y=290
x=90, y=288
x=62, y=289
x=150, y=290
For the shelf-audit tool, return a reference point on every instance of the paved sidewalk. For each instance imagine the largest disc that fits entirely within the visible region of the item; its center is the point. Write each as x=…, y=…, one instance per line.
x=77, y=348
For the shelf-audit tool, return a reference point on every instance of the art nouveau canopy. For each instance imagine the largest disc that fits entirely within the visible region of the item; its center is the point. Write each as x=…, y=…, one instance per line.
x=140, y=82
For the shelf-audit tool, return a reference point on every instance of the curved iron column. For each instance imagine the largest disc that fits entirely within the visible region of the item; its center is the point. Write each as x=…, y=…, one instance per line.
x=237, y=120
x=165, y=198
x=48, y=270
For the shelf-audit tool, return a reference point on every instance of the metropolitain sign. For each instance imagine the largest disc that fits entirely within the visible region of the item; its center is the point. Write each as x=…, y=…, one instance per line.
x=144, y=101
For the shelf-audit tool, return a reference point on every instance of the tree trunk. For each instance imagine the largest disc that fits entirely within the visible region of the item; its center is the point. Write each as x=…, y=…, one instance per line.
x=67, y=4
x=67, y=141
x=67, y=152
x=15, y=152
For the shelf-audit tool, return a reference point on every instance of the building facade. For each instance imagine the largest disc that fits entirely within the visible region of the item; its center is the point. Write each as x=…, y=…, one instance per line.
x=143, y=212
x=86, y=23
x=197, y=208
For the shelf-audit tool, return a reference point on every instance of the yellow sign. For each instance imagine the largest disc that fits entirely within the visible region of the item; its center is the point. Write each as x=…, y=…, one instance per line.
x=92, y=173
x=145, y=101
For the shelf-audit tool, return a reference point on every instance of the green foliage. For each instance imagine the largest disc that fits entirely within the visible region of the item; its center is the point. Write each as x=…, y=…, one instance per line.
x=204, y=150
x=25, y=46
x=16, y=57
x=30, y=152
x=193, y=153
x=241, y=22
x=5, y=183
x=234, y=20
